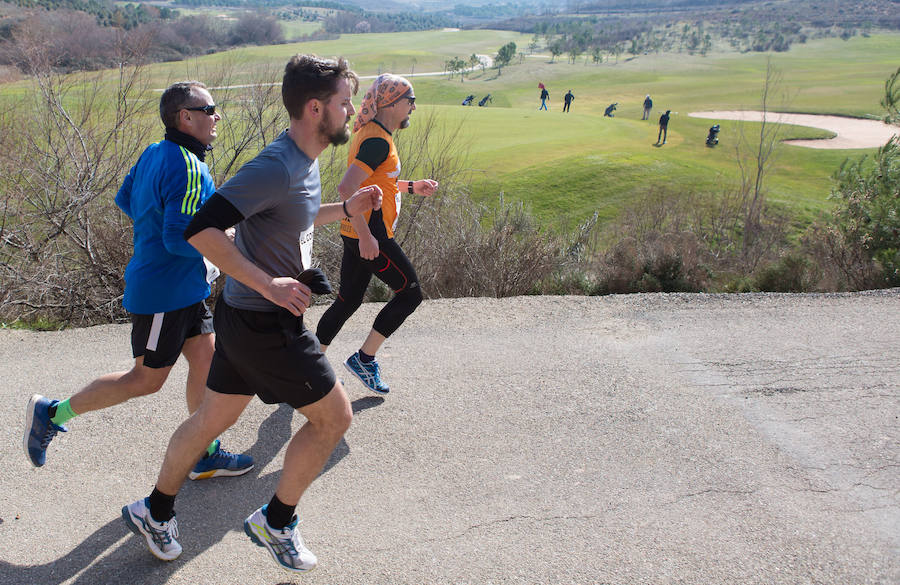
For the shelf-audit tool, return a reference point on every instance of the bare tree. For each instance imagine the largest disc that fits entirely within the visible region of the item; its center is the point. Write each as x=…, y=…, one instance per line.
x=755, y=159
x=62, y=254
x=66, y=147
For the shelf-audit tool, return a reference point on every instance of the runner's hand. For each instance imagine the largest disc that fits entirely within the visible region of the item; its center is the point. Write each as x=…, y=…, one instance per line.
x=289, y=293
x=368, y=247
x=366, y=199
x=425, y=187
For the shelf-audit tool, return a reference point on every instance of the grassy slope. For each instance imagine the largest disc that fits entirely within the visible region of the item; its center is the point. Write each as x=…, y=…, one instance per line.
x=568, y=166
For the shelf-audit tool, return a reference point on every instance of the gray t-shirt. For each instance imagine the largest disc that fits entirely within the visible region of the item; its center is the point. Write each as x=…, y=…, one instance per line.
x=279, y=195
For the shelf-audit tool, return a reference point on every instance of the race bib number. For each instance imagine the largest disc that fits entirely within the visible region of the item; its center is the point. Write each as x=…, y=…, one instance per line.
x=212, y=271
x=306, y=242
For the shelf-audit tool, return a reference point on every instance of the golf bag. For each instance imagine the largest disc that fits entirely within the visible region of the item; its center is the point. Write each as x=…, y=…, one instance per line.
x=485, y=100
x=712, y=138
x=468, y=100
x=610, y=109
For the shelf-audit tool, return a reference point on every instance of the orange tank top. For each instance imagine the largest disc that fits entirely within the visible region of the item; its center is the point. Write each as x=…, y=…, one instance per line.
x=385, y=175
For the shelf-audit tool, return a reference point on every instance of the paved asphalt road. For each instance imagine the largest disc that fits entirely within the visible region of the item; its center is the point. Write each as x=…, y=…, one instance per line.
x=640, y=439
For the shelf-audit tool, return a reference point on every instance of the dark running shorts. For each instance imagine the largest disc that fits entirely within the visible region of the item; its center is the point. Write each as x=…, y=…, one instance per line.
x=160, y=337
x=270, y=354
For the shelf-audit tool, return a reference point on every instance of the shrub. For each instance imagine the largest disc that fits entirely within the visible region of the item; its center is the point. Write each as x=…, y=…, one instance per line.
x=793, y=272
x=865, y=226
x=656, y=263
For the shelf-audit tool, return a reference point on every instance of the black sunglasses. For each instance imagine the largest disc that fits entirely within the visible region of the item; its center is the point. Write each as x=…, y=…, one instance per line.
x=209, y=110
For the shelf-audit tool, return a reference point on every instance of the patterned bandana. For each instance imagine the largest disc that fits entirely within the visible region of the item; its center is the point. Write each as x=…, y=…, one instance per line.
x=386, y=90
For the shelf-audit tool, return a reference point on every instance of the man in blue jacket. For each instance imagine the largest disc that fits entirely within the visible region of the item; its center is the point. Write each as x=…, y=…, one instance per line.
x=166, y=281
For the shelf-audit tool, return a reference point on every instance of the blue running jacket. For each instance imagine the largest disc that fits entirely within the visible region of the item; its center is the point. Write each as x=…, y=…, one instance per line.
x=160, y=194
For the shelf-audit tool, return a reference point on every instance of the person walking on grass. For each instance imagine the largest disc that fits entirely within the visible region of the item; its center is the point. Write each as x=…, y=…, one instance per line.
x=545, y=97
x=262, y=346
x=369, y=244
x=663, y=127
x=648, y=105
x=567, y=100
x=166, y=282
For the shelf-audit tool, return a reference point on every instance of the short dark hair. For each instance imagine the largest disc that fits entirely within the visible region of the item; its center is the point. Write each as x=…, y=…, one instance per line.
x=176, y=97
x=308, y=77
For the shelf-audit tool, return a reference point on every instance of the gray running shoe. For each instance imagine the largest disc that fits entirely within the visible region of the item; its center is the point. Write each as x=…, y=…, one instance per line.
x=285, y=545
x=160, y=536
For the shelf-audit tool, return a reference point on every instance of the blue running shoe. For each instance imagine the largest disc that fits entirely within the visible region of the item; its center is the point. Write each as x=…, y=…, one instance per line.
x=39, y=429
x=285, y=545
x=368, y=373
x=160, y=536
x=221, y=463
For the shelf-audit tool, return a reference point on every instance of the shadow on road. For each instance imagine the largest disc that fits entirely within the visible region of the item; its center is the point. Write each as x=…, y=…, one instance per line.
x=208, y=510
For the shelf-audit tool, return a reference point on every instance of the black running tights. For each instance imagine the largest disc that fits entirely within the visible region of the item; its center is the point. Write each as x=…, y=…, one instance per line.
x=393, y=268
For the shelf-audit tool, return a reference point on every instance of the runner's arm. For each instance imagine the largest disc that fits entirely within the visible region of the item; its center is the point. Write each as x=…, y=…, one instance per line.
x=359, y=202
x=123, y=196
x=423, y=187
x=353, y=178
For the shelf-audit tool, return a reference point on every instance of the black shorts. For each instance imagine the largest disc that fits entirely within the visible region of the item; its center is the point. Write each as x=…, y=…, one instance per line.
x=270, y=354
x=161, y=336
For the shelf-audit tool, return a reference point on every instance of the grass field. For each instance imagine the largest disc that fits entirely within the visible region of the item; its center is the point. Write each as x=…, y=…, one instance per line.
x=566, y=167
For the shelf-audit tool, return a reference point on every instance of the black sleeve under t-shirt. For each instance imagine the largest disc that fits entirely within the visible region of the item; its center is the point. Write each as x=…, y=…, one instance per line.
x=373, y=152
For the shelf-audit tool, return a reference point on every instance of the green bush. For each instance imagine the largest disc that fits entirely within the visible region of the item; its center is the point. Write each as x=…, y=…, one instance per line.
x=868, y=213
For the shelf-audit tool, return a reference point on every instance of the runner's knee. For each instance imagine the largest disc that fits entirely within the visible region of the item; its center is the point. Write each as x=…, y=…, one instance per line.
x=336, y=416
x=411, y=296
x=143, y=380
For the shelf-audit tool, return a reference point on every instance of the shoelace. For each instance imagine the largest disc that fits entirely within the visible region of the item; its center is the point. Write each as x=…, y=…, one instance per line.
x=284, y=546
x=51, y=432
x=370, y=370
x=164, y=536
x=223, y=455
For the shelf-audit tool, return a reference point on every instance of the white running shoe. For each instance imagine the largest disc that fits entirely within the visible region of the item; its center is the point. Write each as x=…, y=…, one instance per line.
x=160, y=536
x=285, y=546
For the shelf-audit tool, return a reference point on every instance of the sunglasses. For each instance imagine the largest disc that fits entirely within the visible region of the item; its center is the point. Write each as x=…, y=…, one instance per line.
x=209, y=110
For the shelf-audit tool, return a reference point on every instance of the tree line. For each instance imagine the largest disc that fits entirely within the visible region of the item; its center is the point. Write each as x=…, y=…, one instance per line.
x=697, y=27
x=70, y=40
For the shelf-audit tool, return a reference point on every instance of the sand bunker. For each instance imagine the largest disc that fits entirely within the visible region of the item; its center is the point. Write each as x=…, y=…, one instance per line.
x=851, y=132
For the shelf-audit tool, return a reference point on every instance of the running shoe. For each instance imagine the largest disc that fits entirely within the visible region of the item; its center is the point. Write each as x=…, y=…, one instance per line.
x=368, y=373
x=285, y=545
x=160, y=536
x=39, y=429
x=221, y=463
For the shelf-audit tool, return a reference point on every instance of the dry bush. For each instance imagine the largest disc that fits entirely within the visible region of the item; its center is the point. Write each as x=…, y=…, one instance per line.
x=674, y=241
x=843, y=263
x=66, y=147
x=473, y=250
x=669, y=262
x=62, y=250
x=9, y=74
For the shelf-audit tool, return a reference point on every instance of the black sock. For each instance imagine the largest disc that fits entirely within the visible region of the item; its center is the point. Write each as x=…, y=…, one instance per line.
x=365, y=358
x=52, y=411
x=162, y=506
x=279, y=514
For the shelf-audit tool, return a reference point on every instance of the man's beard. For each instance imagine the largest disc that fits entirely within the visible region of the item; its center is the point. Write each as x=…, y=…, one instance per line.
x=335, y=136
x=404, y=123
